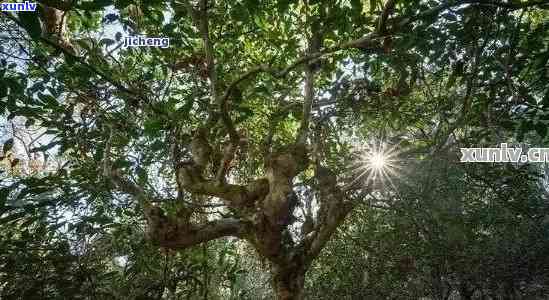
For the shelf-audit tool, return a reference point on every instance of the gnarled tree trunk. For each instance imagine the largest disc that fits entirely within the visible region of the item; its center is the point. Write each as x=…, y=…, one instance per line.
x=288, y=282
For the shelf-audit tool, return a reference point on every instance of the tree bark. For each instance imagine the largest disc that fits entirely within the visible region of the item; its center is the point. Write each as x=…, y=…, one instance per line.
x=288, y=282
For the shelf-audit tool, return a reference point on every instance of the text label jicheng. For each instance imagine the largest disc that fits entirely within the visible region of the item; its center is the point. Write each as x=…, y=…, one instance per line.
x=139, y=41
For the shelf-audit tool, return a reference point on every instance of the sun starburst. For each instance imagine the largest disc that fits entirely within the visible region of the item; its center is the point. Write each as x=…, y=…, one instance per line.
x=375, y=163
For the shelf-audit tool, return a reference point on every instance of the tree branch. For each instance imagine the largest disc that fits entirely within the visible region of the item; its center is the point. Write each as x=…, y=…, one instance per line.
x=234, y=195
x=331, y=214
x=387, y=10
x=132, y=189
x=179, y=233
x=208, y=47
x=307, y=106
x=184, y=238
x=314, y=44
x=224, y=100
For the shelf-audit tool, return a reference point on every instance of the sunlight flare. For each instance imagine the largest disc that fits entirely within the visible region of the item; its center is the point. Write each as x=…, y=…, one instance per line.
x=377, y=160
x=376, y=163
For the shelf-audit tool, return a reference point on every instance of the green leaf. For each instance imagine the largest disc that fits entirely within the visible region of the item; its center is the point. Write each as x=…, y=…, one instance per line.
x=85, y=44
x=122, y=3
x=44, y=147
x=142, y=175
x=121, y=163
x=70, y=60
x=29, y=122
x=4, y=192
x=152, y=127
x=259, y=22
x=541, y=129
x=57, y=226
x=373, y=5
x=3, y=91
x=48, y=100
x=451, y=81
x=357, y=6
x=107, y=42
x=283, y=5
x=507, y=124
x=12, y=217
x=8, y=145
x=30, y=22
x=450, y=16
